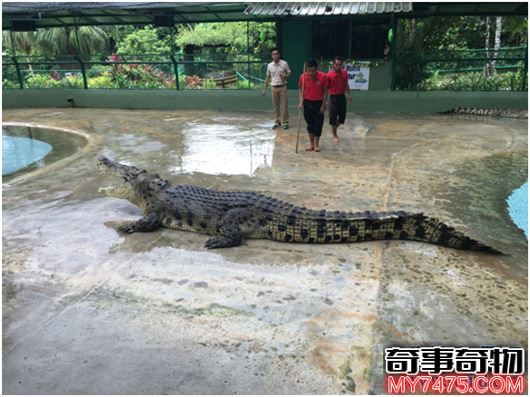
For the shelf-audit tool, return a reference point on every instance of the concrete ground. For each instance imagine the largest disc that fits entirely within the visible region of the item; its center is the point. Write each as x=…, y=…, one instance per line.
x=88, y=310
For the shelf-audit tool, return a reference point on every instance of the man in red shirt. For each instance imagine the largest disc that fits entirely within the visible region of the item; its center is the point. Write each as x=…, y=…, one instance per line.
x=314, y=100
x=338, y=85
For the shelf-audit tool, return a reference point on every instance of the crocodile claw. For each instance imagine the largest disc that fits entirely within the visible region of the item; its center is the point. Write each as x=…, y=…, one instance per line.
x=221, y=241
x=214, y=242
x=127, y=228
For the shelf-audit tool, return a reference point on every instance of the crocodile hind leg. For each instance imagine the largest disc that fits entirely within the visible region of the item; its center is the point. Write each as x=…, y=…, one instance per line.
x=146, y=224
x=229, y=233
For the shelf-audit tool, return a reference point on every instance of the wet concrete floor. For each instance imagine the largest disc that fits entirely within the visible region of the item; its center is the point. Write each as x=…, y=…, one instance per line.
x=87, y=310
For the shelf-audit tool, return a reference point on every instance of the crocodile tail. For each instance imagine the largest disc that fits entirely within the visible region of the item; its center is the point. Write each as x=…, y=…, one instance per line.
x=418, y=227
x=472, y=111
x=342, y=227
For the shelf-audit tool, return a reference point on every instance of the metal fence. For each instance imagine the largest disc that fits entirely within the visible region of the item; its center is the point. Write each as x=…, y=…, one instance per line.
x=145, y=71
x=453, y=70
x=459, y=70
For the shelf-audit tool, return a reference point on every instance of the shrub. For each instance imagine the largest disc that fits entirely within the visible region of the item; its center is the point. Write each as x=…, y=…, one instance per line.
x=42, y=81
x=474, y=81
x=74, y=81
x=97, y=70
x=6, y=83
x=244, y=85
x=104, y=80
x=142, y=77
x=208, y=84
x=193, y=82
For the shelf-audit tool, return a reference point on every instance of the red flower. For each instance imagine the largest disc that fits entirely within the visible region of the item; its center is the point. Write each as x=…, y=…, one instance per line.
x=55, y=75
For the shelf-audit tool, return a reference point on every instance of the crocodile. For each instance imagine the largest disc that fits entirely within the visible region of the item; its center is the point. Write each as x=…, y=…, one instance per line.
x=229, y=217
x=494, y=112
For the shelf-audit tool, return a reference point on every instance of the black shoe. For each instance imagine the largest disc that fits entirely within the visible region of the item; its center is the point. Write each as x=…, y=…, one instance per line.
x=276, y=126
x=285, y=126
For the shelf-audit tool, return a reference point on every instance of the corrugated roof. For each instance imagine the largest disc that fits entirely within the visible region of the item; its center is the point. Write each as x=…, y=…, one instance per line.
x=53, y=14
x=327, y=8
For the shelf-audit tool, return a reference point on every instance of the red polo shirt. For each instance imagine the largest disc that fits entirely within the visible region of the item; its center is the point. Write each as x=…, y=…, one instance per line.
x=313, y=89
x=337, y=82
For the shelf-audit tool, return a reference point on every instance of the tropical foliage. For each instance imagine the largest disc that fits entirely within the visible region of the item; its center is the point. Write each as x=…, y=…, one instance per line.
x=147, y=41
x=461, y=43
x=229, y=38
x=439, y=53
x=66, y=41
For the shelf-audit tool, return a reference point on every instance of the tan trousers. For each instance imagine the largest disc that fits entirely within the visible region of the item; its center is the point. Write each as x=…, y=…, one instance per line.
x=279, y=98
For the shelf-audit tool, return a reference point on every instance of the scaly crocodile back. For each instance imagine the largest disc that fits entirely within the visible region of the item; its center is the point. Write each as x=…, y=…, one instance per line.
x=494, y=112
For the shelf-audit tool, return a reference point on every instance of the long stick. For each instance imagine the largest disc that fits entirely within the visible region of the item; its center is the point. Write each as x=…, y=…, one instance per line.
x=300, y=111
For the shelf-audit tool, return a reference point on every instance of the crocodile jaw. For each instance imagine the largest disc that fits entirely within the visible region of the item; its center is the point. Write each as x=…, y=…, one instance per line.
x=122, y=191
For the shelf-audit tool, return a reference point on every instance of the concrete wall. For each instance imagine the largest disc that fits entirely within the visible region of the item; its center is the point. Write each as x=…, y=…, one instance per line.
x=242, y=100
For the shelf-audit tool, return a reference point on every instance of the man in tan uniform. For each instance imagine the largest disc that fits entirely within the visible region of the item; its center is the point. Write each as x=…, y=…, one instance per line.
x=277, y=73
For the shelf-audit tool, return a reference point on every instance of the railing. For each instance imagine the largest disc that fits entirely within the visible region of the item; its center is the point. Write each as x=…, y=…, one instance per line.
x=146, y=71
x=458, y=70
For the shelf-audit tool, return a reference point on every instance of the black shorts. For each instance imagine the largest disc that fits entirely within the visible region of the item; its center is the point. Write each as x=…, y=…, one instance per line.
x=313, y=117
x=337, y=109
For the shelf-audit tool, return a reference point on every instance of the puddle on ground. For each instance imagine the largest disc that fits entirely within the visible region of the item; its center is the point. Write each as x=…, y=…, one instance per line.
x=225, y=148
x=477, y=196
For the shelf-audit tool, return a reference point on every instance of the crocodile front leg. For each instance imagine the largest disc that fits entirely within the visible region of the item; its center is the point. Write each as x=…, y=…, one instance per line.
x=229, y=232
x=148, y=223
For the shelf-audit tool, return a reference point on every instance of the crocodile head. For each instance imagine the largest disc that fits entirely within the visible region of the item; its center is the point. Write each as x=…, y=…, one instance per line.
x=139, y=186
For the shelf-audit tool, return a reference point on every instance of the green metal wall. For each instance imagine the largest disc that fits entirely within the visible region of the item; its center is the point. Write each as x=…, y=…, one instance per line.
x=295, y=43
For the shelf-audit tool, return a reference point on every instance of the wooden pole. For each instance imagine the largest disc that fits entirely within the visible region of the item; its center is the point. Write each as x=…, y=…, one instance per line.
x=300, y=111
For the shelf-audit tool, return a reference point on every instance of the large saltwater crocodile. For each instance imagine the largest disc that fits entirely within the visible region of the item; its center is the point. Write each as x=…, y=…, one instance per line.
x=231, y=216
x=493, y=112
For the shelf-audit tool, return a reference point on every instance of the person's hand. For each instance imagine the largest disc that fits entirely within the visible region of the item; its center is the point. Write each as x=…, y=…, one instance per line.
x=323, y=108
x=299, y=105
x=264, y=92
x=349, y=98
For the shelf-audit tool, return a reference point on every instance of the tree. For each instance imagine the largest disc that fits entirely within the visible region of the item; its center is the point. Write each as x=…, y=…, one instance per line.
x=491, y=62
x=229, y=37
x=488, y=70
x=65, y=41
x=20, y=41
x=497, y=40
x=145, y=41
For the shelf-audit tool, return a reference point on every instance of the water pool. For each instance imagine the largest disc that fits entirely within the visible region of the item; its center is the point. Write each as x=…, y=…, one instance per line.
x=27, y=148
x=18, y=153
x=518, y=207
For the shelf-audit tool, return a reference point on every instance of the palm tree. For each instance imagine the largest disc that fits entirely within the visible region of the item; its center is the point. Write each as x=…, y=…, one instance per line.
x=65, y=41
x=21, y=41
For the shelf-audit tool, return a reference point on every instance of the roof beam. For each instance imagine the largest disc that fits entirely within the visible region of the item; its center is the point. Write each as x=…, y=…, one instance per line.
x=62, y=22
x=113, y=16
x=220, y=19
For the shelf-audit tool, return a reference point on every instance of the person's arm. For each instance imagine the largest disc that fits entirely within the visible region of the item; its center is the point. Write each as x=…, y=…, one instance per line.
x=264, y=92
x=267, y=78
x=325, y=86
x=288, y=71
x=348, y=91
x=324, y=100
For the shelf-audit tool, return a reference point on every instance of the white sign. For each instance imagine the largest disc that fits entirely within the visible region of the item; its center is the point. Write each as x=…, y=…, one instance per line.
x=358, y=76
